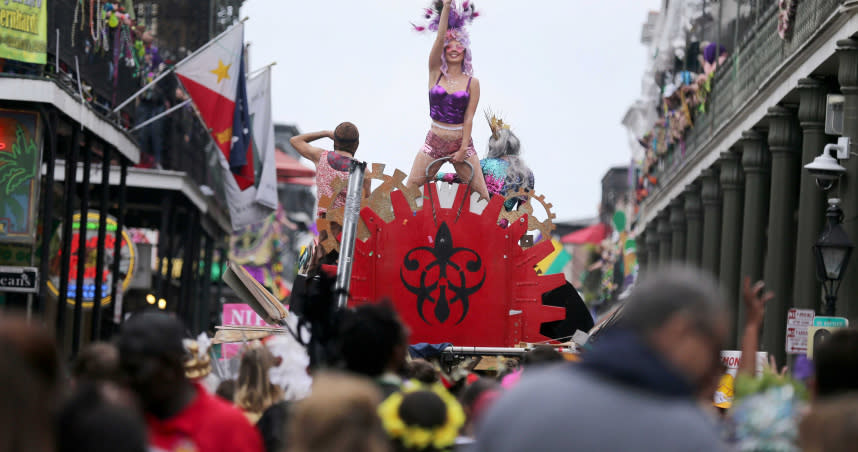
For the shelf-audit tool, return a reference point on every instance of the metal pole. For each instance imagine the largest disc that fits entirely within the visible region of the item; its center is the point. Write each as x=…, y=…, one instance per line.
x=65, y=256
x=206, y=292
x=79, y=86
x=830, y=304
x=488, y=350
x=171, y=252
x=256, y=72
x=144, y=89
x=117, y=246
x=351, y=216
x=81, y=252
x=47, y=209
x=163, y=234
x=193, y=281
x=219, y=281
x=57, y=56
x=183, y=303
x=101, y=251
x=159, y=116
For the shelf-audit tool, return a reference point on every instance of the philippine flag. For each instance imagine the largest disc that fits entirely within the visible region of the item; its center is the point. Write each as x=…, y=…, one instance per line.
x=214, y=78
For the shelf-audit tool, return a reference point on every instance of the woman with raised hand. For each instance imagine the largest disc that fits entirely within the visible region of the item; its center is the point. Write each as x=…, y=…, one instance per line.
x=454, y=94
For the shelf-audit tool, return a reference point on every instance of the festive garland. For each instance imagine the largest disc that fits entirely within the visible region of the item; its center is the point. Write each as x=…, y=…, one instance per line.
x=110, y=24
x=786, y=16
x=678, y=108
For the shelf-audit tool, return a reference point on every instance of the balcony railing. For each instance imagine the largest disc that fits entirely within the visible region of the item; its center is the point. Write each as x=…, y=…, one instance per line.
x=736, y=81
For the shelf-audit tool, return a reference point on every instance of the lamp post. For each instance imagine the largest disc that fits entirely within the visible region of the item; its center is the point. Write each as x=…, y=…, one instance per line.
x=832, y=251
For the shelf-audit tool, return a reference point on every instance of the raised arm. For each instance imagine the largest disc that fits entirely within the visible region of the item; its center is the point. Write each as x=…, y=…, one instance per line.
x=301, y=143
x=468, y=126
x=755, y=298
x=438, y=46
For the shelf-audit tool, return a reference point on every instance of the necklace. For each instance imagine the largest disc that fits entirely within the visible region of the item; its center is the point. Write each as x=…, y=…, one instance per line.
x=453, y=83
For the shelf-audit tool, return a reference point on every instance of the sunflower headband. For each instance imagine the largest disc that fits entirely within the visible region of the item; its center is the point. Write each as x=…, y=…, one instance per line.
x=416, y=437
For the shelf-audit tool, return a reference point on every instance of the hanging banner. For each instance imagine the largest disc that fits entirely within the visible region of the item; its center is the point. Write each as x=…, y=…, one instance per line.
x=20, y=155
x=127, y=257
x=24, y=30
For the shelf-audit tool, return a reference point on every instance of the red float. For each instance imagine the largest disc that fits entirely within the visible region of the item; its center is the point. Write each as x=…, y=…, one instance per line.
x=453, y=274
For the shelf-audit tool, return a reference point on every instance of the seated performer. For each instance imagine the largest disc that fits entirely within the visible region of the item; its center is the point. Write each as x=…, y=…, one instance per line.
x=453, y=97
x=503, y=169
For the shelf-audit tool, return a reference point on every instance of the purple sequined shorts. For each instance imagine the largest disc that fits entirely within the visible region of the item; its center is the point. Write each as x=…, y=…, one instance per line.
x=437, y=146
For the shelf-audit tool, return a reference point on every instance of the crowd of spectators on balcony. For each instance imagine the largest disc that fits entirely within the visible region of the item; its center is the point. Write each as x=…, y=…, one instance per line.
x=684, y=91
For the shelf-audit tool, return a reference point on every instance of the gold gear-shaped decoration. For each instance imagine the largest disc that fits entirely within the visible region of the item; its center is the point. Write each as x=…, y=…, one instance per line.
x=378, y=201
x=545, y=227
x=329, y=243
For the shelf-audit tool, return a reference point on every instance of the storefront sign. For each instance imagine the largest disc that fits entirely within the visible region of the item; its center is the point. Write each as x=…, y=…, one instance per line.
x=127, y=256
x=239, y=314
x=20, y=155
x=19, y=279
x=24, y=30
x=798, y=321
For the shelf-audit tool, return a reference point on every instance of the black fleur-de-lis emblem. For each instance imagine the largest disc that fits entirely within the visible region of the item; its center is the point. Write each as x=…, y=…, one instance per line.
x=440, y=275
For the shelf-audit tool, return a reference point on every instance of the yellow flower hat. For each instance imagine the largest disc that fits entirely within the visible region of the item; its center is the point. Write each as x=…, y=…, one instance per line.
x=416, y=437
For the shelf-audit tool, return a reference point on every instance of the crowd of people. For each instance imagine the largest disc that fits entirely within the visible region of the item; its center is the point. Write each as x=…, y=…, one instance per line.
x=645, y=383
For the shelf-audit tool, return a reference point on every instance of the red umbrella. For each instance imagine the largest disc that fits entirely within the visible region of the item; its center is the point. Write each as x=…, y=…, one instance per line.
x=590, y=234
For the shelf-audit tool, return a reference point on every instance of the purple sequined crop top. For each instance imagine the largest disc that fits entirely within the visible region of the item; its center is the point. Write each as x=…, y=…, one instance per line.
x=448, y=108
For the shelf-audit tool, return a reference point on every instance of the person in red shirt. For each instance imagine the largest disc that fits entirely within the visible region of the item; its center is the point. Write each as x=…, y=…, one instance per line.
x=181, y=416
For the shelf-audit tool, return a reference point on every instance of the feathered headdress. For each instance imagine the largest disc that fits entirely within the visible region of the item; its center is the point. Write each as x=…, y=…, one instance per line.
x=455, y=29
x=458, y=17
x=495, y=123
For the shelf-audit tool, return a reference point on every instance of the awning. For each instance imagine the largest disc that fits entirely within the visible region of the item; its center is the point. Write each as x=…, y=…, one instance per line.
x=290, y=167
x=305, y=181
x=590, y=234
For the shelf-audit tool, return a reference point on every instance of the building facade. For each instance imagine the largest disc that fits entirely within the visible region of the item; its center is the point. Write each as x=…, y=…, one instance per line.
x=79, y=191
x=719, y=179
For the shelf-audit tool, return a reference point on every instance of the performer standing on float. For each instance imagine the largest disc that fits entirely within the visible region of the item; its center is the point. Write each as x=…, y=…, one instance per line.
x=330, y=166
x=332, y=169
x=454, y=94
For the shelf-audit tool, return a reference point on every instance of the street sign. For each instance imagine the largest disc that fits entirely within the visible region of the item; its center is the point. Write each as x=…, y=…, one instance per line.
x=798, y=321
x=831, y=322
x=19, y=279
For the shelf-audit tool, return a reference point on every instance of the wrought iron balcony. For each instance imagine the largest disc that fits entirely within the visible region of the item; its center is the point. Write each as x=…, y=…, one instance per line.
x=738, y=81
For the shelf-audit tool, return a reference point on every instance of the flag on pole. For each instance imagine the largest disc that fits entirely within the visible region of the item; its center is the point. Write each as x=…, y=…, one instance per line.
x=259, y=95
x=215, y=80
x=259, y=201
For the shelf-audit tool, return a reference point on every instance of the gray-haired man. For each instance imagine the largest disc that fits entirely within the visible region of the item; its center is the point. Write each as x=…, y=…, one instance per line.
x=637, y=389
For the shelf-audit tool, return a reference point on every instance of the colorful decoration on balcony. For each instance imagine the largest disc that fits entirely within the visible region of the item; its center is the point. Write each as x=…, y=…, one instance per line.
x=683, y=100
x=262, y=249
x=112, y=27
x=786, y=17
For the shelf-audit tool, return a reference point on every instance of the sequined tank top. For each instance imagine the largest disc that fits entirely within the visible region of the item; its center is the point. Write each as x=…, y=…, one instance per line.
x=448, y=108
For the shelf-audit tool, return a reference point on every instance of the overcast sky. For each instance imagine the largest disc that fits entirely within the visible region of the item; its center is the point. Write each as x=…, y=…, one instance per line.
x=562, y=72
